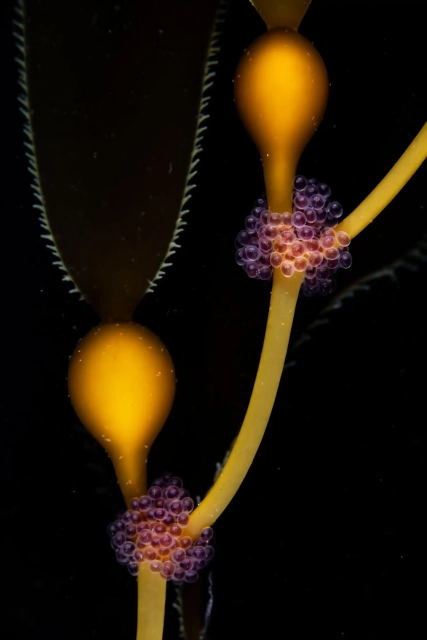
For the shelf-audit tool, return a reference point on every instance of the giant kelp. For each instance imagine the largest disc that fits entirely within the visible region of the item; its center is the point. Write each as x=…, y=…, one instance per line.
x=290, y=436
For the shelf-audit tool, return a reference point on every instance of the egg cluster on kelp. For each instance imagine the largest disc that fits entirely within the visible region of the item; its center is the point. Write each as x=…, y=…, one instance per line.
x=304, y=240
x=152, y=531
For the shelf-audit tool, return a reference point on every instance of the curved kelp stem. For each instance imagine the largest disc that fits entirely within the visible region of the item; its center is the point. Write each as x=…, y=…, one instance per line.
x=282, y=308
x=388, y=188
x=151, y=604
x=279, y=69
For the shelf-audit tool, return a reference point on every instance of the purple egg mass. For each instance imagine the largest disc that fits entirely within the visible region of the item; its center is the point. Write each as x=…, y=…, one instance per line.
x=151, y=531
x=302, y=240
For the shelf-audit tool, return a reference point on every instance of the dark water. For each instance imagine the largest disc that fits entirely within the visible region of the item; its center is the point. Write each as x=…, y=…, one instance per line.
x=326, y=538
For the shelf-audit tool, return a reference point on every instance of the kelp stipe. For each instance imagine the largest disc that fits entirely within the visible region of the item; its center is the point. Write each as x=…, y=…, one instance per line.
x=280, y=112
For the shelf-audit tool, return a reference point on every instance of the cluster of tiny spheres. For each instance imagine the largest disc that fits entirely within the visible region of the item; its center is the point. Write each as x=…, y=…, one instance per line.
x=152, y=531
x=304, y=240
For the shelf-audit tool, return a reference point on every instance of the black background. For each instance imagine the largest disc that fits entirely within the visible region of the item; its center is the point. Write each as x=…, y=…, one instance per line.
x=343, y=463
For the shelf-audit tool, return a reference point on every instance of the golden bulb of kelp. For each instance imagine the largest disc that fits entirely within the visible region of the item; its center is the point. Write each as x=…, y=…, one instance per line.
x=121, y=383
x=281, y=90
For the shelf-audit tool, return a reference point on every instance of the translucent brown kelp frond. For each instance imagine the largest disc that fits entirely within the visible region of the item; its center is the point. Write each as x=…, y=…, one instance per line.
x=208, y=78
x=193, y=604
x=281, y=13
x=114, y=103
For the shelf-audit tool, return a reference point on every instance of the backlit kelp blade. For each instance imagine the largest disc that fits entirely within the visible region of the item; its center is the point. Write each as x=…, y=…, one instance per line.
x=279, y=13
x=116, y=97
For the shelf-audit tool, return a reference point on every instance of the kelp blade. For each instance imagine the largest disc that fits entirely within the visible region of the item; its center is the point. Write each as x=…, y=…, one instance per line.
x=114, y=95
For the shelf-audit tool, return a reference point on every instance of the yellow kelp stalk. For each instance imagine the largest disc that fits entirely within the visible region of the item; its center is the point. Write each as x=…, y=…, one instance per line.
x=121, y=382
x=281, y=89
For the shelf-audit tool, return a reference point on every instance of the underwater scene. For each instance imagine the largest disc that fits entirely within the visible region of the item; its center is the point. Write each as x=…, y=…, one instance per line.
x=214, y=241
